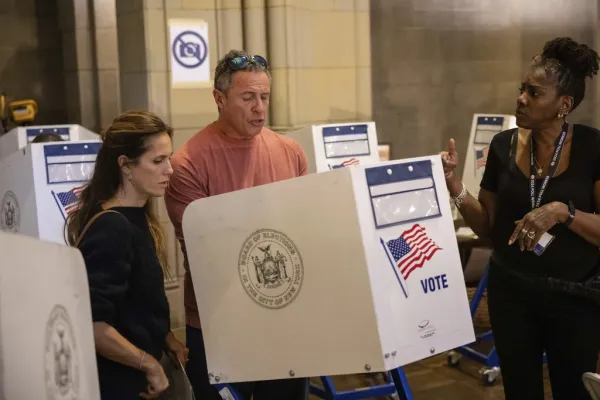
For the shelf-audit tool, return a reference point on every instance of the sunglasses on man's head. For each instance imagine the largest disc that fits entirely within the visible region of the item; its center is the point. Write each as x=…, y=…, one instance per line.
x=241, y=62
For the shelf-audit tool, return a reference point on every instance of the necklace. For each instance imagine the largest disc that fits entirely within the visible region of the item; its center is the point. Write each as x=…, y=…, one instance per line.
x=539, y=169
x=538, y=166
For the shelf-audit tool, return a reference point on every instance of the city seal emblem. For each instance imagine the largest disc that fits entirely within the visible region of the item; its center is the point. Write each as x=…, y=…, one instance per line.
x=62, y=367
x=271, y=269
x=10, y=214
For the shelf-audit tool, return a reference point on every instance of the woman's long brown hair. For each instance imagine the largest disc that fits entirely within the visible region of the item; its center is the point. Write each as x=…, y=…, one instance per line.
x=126, y=136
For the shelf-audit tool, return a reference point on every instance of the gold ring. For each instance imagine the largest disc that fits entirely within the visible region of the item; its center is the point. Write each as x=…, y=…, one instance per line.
x=531, y=234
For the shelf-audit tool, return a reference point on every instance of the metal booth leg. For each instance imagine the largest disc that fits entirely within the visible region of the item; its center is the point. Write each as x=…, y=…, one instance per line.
x=397, y=384
x=491, y=365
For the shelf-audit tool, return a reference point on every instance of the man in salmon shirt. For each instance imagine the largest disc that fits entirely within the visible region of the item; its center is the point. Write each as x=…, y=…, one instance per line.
x=234, y=152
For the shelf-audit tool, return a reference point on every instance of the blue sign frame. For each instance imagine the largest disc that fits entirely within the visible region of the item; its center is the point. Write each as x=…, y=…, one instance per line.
x=404, y=172
x=346, y=130
x=63, y=132
x=68, y=149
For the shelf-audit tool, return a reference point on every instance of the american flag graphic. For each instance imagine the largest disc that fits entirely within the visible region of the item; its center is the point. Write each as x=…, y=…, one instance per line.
x=481, y=157
x=347, y=163
x=67, y=201
x=412, y=250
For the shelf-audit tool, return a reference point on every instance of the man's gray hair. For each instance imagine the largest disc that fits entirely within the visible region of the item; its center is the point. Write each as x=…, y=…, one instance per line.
x=223, y=73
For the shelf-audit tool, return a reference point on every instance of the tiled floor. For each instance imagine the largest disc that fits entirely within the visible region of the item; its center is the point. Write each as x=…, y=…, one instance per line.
x=433, y=379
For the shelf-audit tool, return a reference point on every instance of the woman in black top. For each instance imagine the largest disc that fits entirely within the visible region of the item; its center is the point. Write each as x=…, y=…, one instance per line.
x=124, y=252
x=528, y=319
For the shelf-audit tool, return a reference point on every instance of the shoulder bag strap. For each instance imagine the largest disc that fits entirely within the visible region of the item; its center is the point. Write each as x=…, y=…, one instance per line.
x=95, y=217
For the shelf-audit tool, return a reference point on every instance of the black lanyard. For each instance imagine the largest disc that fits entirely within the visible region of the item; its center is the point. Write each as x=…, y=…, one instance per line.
x=560, y=141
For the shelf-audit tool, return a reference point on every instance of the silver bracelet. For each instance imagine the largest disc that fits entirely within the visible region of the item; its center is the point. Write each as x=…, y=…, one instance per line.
x=461, y=196
x=142, y=361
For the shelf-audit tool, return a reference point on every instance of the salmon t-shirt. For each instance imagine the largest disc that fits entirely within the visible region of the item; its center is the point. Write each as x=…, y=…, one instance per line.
x=211, y=163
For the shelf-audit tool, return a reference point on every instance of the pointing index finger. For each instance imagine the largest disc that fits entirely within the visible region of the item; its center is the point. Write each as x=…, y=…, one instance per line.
x=452, y=147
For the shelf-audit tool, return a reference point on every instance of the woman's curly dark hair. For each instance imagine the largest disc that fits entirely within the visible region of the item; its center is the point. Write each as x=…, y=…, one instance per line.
x=570, y=63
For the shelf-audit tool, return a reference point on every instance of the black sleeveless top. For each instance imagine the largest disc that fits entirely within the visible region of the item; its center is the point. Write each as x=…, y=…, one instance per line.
x=569, y=256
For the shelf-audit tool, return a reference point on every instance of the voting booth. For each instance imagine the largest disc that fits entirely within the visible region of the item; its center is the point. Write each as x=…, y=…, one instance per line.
x=40, y=185
x=483, y=130
x=334, y=146
x=46, y=336
x=20, y=137
x=348, y=271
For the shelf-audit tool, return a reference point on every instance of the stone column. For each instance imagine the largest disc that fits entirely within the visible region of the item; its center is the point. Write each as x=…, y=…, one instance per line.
x=90, y=61
x=255, y=27
x=76, y=21
x=107, y=61
x=362, y=23
x=320, y=57
x=230, y=32
x=142, y=43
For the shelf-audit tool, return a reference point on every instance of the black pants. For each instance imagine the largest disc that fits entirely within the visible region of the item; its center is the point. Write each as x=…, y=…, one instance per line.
x=526, y=321
x=288, y=389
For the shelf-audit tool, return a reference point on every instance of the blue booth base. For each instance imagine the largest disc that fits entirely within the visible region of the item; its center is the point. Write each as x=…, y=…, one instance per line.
x=397, y=385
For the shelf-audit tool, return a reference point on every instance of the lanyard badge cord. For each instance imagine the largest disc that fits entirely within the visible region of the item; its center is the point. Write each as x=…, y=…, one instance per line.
x=560, y=141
